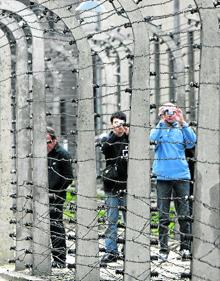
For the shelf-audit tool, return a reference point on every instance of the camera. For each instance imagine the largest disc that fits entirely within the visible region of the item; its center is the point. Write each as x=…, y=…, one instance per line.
x=121, y=123
x=169, y=112
x=126, y=125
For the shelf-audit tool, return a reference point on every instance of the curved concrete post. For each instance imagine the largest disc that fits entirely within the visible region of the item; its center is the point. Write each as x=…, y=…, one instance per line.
x=123, y=52
x=206, y=238
x=109, y=98
x=87, y=250
x=5, y=151
x=117, y=47
x=41, y=225
x=178, y=64
x=23, y=166
x=109, y=94
x=101, y=98
x=124, y=80
x=116, y=74
x=104, y=60
x=137, y=247
x=111, y=86
x=123, y=98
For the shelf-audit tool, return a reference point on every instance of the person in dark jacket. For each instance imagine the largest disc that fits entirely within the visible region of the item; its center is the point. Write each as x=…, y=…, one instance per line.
x=190, y=154
x=60, y=176
x=115, y=149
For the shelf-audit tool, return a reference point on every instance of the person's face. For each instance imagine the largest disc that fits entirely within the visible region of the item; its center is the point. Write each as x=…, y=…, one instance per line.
x=170, y=115
x=50, y=143
x=117, y=126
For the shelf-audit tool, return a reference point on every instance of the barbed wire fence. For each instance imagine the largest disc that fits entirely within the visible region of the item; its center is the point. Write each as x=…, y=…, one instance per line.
x=70, y=66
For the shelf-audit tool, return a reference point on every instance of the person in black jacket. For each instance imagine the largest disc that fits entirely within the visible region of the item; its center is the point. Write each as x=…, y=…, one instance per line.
x=115, y=149
x=190, y=154
x=60, y=176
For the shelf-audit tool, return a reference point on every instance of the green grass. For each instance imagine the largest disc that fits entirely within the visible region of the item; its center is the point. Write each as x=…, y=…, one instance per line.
x=155, y=220
x=71, y=197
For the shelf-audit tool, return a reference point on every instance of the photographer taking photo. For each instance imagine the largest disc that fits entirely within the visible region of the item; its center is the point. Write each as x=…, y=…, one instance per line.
x=115, y=149
x=172, y=136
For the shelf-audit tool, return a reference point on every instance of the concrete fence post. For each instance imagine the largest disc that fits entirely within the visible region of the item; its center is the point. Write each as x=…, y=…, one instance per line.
x=206, y=251
x=87, y=248
x=5, y=153
x=23, y=147
x=137, y=244
x=41, y=225
x=178, y=80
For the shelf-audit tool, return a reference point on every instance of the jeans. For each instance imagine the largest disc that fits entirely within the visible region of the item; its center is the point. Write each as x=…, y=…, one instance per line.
x=113, y=201
x=180, y=189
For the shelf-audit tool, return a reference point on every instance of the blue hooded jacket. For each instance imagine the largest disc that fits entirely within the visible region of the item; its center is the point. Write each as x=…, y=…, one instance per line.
x=169, y=159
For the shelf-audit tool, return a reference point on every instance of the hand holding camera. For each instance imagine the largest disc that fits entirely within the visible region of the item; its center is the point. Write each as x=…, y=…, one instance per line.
x=120, y=127
x=179, y=116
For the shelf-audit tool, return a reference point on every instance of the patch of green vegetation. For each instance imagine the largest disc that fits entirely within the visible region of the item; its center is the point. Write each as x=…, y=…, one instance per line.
x=71, y=197
x=71, y=214
x=101, y=213
x=155, y=220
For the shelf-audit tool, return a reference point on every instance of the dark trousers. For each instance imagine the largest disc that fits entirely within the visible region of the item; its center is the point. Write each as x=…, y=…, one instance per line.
x=57, y=231
x=179, y=190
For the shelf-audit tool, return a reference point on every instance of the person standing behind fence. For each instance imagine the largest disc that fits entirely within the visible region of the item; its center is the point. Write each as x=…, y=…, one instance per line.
x=171, y=137
x=115, y=149
x=60, y=176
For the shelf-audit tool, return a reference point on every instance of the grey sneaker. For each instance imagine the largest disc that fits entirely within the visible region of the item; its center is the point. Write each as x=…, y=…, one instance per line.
x=185, y=254
x=109, y=257
x=163, y=256
x=56, y=264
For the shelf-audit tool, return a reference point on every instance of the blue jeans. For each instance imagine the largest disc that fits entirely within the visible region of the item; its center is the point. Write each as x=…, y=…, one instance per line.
x=179, y=189
x=112, y=202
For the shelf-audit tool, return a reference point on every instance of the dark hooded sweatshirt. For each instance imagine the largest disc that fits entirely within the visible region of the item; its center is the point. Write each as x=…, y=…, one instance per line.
x=115, y=150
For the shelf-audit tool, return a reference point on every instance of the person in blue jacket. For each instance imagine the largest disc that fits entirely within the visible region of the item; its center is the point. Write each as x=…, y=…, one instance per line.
x=171, y=137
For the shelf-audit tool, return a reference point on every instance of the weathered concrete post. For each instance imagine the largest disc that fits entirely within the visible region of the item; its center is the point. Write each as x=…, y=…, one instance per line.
x=177, y=64
x=41, y=225
x=171, y=70
x=23, y=166
x=124, y=71
x=157, y=70
x=109, y=99
x=5, y=150
x=206, y=234
x=87, y=251
x=191, y=75
x=137, y=245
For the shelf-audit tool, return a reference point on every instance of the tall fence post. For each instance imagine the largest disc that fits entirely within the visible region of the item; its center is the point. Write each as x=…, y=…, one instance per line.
x=176, y=67
x=41, y=225
x=87, y=248
x=191, y=75
x=157, y=77
x=23, y=165
x=206, y=251
x=5, y=154
x=172, y=86
x=137, y=245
